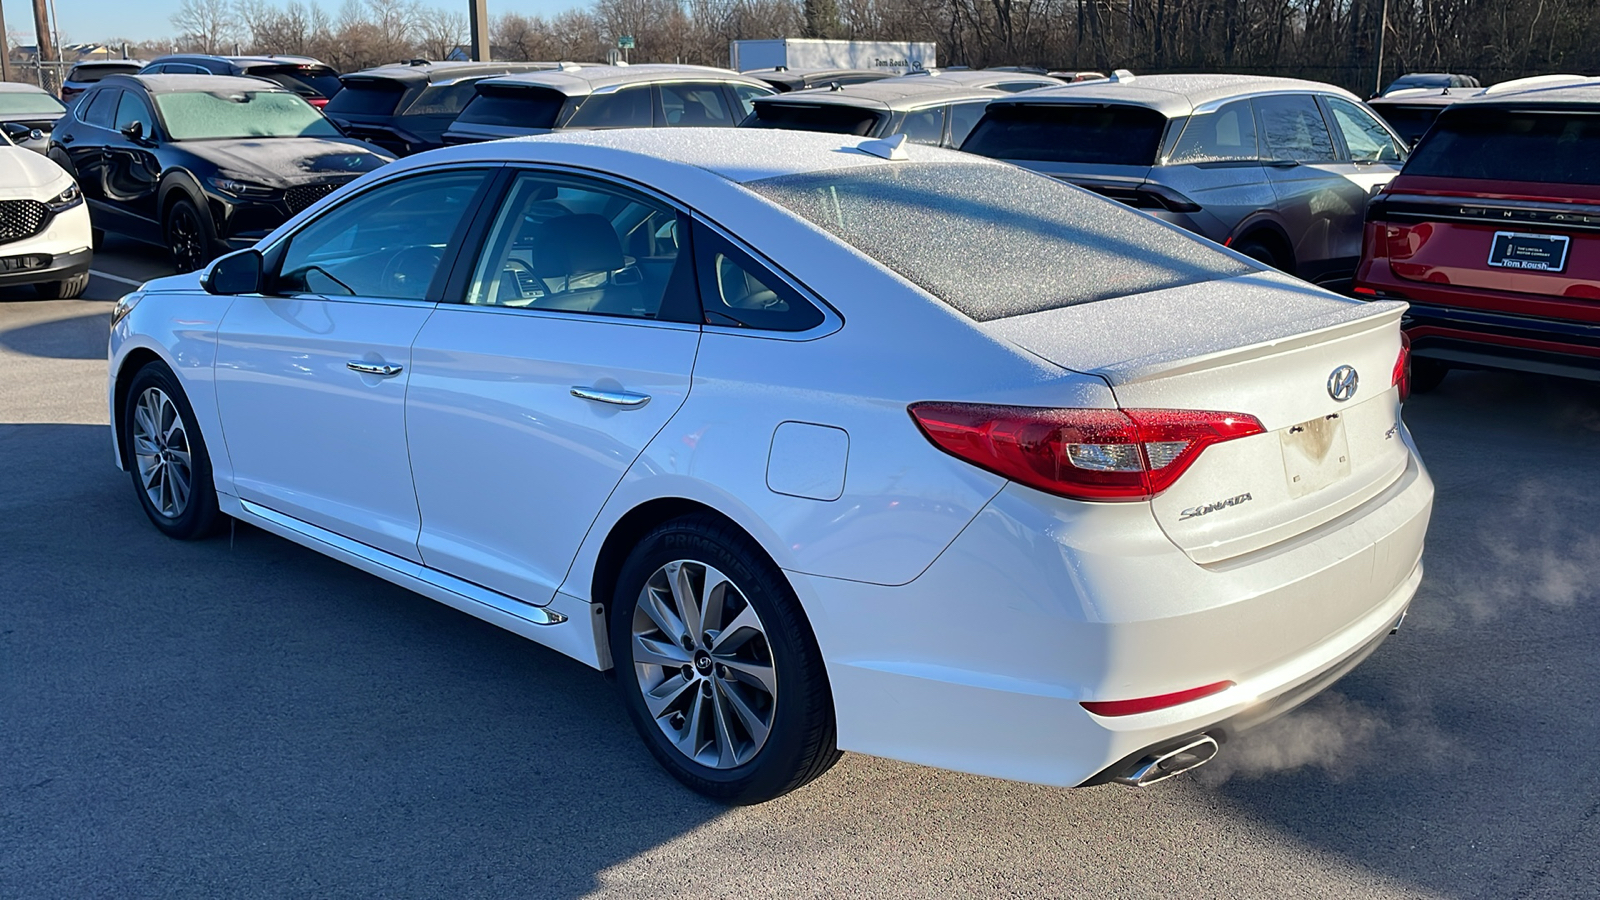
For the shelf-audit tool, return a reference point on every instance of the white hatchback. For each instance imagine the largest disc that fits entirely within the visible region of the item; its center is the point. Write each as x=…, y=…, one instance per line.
x=45, y=238
x=821, y=444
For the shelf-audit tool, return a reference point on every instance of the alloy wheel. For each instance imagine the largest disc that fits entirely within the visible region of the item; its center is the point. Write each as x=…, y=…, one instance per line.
x=704, y=665
x=183, y=234
x=161, y=453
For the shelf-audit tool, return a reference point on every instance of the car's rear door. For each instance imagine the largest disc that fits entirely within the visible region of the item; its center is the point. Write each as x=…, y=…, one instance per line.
x=570, y=346
x=311, y=379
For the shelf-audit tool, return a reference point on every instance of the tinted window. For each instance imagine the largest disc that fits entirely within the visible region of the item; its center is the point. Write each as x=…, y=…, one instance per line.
x=102, y=108
x=962, y=117
x=306, y=81
x=695, y=106
x=91, y=74
x=1027, y=243
x=385, y=243
x=829, y=117
x=513, y=107
x=366, y=97
x=1227, y=135
x=627, y=108
x=924, y=126
x=1017, y=87
x=1292, y=127
x=1365, y=136
x=573, y=245
x=441, y=99
x=737, y=291
x=1410, y=121
x=1096, y=135
x=130, y=109
x=1549, y=147
x=746, y=95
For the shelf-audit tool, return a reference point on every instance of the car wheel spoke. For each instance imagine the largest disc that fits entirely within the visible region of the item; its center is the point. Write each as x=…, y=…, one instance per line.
x=666, y=654
x=757, y=675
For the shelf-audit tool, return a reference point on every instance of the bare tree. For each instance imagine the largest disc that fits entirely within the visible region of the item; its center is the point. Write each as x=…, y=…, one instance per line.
x=208, y=26
x=440, y=31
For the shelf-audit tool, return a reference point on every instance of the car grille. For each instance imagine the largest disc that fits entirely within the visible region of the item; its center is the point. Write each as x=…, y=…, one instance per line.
x=301, y=197
x=21, y=219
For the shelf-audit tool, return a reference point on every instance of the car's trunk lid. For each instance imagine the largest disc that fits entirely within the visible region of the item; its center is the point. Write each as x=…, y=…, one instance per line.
x=1262, y=344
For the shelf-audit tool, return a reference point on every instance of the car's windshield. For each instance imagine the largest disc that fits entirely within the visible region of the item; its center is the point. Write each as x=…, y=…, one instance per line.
x=1027, y=243
x=206, y=115
x=29, y=103
x=1545, y=146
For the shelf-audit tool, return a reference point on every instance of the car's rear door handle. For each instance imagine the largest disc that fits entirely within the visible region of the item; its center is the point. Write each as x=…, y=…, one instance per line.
x=615, y=398
x=366, y=368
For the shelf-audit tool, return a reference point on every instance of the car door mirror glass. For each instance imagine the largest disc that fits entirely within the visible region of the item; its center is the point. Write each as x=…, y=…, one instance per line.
x=236, y=273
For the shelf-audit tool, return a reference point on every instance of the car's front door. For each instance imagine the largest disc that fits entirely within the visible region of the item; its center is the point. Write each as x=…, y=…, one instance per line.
x=571, y=347
x=311, y=379
x=132, y=170
x=1316, y=202
x=1371, y=157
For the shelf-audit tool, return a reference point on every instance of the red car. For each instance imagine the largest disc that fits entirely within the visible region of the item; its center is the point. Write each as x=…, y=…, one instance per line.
x=1492, y=233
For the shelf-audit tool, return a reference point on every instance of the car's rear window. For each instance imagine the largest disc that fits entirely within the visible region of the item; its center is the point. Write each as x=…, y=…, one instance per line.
x=513, y=106
x=1410, y=121
x=826, y=117
x=1026, y=242
x=91, y=74
x=1104, y=134
x=307, y=81
x=1497, y=144
x=443, y=99
x=366, y=97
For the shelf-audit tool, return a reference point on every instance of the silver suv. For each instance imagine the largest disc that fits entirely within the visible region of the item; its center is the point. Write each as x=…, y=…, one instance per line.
x=1279, y=169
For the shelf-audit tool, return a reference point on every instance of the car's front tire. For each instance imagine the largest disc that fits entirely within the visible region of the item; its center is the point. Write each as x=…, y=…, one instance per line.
x=188, y=234
x=717, y=665
x=166, y=455
x=68, y=289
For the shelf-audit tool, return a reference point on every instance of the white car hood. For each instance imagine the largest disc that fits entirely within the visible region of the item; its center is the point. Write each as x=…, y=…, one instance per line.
x=24, y=173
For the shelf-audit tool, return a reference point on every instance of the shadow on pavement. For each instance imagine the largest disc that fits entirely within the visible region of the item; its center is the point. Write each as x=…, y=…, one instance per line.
x=77, y=337
x=1456, y=757
x=209, y=719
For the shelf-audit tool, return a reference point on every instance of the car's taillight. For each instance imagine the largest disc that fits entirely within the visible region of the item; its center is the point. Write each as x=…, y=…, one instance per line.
x=1402, y=368
x=1082, y=454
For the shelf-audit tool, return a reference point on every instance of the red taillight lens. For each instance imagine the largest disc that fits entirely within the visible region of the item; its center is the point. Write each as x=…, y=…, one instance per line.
x=1082, y=454
x=1402, y=367
x=1150, y=704
x=318, y=102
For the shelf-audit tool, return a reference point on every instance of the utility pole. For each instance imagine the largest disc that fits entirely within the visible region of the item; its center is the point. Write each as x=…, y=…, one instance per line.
x=1383, y=26
x=478, y=16
x=5, y=47
x=41, y=28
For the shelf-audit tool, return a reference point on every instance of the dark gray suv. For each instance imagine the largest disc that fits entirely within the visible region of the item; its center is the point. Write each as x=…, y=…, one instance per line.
x=1279, y=169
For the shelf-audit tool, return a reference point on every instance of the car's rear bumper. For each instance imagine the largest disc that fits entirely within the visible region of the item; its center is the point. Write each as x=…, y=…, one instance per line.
x=981, y=663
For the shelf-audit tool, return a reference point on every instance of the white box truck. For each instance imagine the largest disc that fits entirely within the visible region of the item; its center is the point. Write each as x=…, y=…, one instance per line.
x=899, y=57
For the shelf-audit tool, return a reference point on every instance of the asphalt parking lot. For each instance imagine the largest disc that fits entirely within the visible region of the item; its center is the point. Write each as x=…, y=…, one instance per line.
x=245, y=718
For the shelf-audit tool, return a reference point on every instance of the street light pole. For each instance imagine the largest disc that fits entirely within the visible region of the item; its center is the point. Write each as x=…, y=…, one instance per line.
x=1383, y=26
x=478, y=16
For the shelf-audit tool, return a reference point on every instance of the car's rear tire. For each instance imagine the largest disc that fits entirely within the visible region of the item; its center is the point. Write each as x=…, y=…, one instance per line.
x=1427, y=374
x=70, y=289
x=1260, y=251
x=188, y=234
x=740, y=712
x=166, y=455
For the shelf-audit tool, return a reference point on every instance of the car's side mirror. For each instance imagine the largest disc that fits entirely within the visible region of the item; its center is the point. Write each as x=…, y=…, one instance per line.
x=133, y=131
x=236, y=273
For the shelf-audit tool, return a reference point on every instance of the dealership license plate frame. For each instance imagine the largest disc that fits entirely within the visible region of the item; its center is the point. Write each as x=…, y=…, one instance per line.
x=1528, y=252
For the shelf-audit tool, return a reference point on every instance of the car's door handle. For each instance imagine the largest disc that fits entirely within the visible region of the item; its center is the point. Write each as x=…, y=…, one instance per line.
x=615, y=398
x=383, y=369
x=67, y=138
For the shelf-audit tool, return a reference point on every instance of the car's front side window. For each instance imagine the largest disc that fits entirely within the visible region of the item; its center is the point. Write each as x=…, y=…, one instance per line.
x=573, y=244
x=1367, y=139
x=695, y=106
x=131, y=110
x=387, y=243
x=1292, y=128
x=101, y=109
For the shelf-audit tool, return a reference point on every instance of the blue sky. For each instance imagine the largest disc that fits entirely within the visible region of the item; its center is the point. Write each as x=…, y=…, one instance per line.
x=95, y=20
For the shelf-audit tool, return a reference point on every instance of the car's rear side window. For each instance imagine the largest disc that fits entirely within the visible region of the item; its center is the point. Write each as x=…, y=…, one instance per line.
x=626, y=108
x=1093, y=134
x=366, y=97
x=1545, y=146
x=1027, y=243
x=1226, y=135
x=443, y=99
x=520, y=107
x=826, y=117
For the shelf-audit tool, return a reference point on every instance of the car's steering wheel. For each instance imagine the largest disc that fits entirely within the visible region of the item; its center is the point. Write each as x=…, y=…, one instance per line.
x=408, y=272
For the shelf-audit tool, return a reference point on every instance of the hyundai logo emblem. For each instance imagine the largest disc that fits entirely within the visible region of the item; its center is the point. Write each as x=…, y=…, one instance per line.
x=1342, y=383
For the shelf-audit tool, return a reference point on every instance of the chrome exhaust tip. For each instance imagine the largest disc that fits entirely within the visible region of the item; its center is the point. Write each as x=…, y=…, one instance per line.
x=1162, y=766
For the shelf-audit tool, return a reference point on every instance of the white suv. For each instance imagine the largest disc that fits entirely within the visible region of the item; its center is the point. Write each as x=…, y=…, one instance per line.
x=44, y=226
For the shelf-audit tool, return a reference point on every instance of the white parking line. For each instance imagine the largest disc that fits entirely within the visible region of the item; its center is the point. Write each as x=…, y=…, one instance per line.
x=117, y=278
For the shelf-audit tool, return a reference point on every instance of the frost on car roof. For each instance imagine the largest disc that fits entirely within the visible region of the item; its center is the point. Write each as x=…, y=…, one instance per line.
x=996, y=241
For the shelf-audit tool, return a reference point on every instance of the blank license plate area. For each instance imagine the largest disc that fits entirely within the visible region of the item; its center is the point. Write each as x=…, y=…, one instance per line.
x=1315, y=454
x=1536, y=252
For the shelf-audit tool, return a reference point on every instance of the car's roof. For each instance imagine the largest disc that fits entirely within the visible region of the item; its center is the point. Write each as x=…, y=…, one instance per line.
x=447, y=71
x=1174, y=95
x=97, y=63
x=1424, y=96
x=1584, y=93
x=18, y=87
x=577, y=81
x=780, y=74
x=252, y=60
x=738, y=155
x=888, y=94
x=982, y=76
x=189, y=84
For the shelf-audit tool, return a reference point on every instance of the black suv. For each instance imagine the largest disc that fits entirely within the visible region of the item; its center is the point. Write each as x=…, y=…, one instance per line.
x=405, y=108
x=201, y=164
x=313, y=79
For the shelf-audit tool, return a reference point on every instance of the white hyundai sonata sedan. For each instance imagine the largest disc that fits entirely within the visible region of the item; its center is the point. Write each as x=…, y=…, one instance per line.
x=820, y=444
